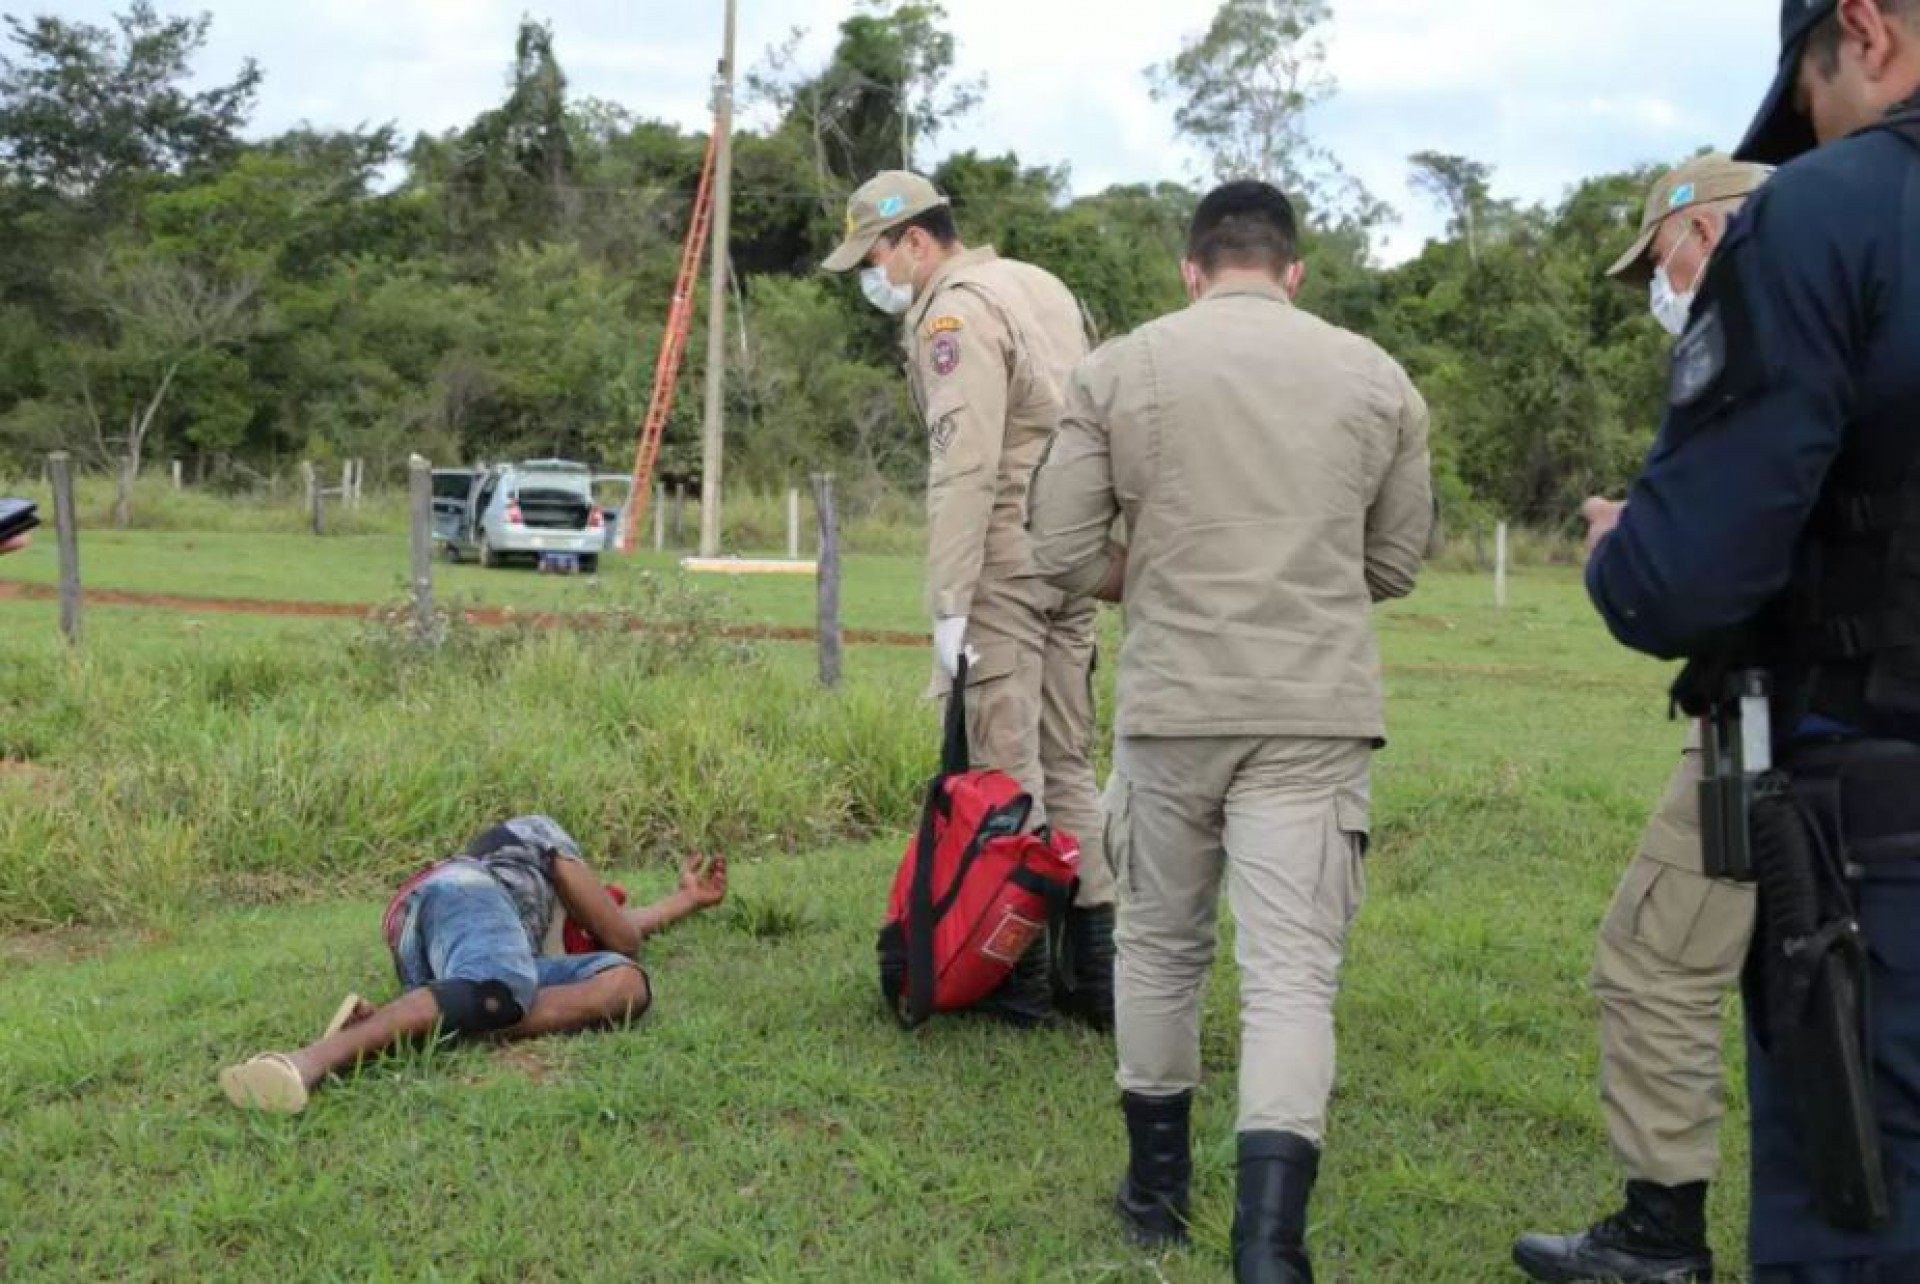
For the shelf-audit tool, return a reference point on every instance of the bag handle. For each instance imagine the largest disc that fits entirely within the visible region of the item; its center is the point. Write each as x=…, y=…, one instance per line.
x=916, y=1003
x=916, y=998
x=956, y=757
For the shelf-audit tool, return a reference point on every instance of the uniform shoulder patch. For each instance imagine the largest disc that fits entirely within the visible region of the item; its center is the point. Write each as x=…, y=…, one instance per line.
x=941, y=435
x=944, y=354
x=1699, y=359
x=944, y=325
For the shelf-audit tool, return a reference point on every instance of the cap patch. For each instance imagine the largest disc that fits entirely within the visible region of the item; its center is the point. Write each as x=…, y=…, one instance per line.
x=891, y=205
x=1682, y=195
x=942, y=325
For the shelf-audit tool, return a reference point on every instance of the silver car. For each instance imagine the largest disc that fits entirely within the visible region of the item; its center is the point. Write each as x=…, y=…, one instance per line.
x=529, y=509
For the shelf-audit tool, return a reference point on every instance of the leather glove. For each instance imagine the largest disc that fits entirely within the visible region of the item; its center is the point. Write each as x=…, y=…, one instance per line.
x=949, y=642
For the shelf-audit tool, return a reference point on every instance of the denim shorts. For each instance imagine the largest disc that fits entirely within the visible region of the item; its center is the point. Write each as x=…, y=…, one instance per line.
x=460, y=925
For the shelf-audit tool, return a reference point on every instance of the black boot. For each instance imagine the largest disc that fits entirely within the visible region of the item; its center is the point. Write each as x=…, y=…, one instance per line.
x=1025, y=998
x=1660, y=1237
x=1277, y=1170
x=1153, y=1195
x=1083, y=970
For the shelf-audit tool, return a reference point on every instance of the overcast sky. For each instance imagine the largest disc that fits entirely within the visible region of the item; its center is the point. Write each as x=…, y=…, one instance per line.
x=1546, y=90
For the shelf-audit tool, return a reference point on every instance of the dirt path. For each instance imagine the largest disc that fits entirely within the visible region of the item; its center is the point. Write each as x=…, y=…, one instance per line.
x=486, y=616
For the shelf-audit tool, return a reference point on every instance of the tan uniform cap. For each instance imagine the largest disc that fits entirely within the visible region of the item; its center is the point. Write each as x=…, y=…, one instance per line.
x=1702, y=180
x=883, y=202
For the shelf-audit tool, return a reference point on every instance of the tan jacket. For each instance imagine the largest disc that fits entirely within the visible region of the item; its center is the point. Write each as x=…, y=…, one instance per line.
x=1273, y=471
x=989, y=345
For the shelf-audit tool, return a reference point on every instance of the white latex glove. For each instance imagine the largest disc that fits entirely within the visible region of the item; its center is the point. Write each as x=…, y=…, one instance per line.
x=949, y=641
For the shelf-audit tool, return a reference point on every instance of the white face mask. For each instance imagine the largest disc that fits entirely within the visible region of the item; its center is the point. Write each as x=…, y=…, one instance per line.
x=882, y=293
x=1671, y=307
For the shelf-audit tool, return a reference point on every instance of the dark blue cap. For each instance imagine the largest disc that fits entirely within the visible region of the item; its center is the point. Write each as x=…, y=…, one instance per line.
x=1780, y=132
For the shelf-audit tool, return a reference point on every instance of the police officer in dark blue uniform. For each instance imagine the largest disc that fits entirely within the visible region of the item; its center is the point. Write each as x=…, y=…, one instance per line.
x=1774, y=541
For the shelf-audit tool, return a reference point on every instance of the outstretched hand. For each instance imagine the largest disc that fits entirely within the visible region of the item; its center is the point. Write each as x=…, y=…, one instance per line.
x=703, y=880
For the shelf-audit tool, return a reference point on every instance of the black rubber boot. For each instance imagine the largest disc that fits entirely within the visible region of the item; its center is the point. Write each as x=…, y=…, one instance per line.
x=1152, y=1201
x=1083, y=972
x=1277, y=1171
x=1660, y=1237
x=1025, y=998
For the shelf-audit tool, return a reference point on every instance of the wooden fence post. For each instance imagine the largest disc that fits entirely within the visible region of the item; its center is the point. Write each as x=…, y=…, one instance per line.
x=420, y=493
x=176, y=475
x=67, y=540
x=1500, y=565
x=659, y=507
x=308, y=481
x=793, y=523
x=316, y=501
x=828, y=593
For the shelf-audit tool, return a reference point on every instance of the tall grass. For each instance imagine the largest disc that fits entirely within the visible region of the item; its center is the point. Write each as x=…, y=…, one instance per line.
x=302, y=767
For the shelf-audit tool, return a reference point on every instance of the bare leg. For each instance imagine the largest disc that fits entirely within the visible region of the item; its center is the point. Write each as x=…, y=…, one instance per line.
x=411, y=1016
x=614, y=995
x=618, y=994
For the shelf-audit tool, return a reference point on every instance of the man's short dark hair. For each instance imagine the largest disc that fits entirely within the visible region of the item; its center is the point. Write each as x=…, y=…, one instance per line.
x=1244, y=224
x=1823, y=42
x=936, y=222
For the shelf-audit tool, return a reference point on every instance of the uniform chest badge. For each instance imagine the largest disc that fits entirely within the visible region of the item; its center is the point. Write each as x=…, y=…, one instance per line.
x=943, y=325
x=944, y=354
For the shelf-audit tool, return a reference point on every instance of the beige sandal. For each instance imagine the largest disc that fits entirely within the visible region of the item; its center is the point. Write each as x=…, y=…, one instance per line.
x=268, y=1082
x=342, y=1015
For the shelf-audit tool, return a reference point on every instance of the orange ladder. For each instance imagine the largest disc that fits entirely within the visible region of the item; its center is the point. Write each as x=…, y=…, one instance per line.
x=673, y=347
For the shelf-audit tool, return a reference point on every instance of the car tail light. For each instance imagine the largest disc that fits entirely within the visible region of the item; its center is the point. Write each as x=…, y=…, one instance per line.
x=596, y=520
x=513, y=513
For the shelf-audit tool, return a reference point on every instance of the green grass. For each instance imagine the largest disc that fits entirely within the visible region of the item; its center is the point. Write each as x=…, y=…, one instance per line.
x=878, y=592
x=218, y=803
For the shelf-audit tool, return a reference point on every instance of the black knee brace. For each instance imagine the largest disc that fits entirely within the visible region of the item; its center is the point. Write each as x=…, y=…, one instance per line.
x=475, y=1007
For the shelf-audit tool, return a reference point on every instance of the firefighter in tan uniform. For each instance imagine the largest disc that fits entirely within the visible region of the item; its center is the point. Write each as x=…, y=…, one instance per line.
x=1273, y=471
x=989, y=345
x=1673, y=941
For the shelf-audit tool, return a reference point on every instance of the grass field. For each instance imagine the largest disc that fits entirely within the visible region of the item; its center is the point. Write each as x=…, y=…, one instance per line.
x=199, y=815
x=879, y=592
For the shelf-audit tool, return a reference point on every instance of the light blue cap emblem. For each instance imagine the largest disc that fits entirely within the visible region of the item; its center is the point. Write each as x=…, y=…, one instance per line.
x=1682, y=195
x=892, y=205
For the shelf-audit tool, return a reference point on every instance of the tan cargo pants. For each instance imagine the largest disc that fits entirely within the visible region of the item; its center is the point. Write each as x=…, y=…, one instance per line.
x=1030, y=710
x=1670, y=949
x=1285, y=820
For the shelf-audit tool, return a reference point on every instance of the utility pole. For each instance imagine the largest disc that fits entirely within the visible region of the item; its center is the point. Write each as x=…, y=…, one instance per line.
x=712, y=439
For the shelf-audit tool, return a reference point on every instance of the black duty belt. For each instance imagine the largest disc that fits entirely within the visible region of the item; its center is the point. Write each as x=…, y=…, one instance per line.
x=1871, y=788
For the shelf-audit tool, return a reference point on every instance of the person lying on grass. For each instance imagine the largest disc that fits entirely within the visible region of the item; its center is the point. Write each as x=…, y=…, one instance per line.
x=475, y=942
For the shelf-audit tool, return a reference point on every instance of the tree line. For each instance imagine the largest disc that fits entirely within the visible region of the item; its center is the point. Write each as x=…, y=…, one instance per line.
x=170, y=285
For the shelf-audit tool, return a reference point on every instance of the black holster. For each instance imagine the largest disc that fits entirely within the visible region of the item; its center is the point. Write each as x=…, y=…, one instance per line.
x=1808, y=969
